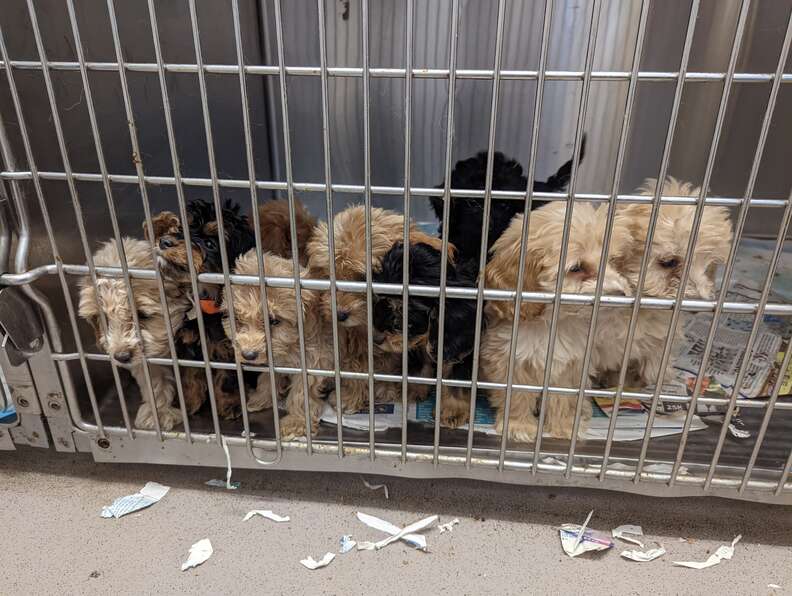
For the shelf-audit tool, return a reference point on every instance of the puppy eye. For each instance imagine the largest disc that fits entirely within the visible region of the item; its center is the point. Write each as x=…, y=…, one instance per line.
x=273, y=321
x=142, y=316
x=576, y=268
x=209, y=244
x=670, y=263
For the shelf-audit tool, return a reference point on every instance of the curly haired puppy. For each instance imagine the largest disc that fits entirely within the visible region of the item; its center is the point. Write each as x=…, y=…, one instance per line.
x=121, y=342
x=282, y=307
x=663, y=276
x=466, y=214
x=350, y=263
x=541, y=273
x=172, y=260
x=422, y=320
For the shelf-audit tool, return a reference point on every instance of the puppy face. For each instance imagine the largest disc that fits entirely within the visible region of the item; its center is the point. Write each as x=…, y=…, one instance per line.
x=584, y=250
x=423, y=313
x=202, y=219
x=110, y=297
x=669, y=244
x=350, y=255
x=251, y=338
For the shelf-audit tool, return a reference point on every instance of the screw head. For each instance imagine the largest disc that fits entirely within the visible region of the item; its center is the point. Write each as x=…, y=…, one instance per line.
x=103, y=443
x=23, y=402
x=54, y=405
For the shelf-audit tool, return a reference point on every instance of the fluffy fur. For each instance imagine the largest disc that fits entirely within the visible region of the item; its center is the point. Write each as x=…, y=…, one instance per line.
x=350, y=263
x=664, y=270
x=120, y=342
x=283, y=313
x=275, y=230
x=206, y=251
x=423, y=319
x=541, y=271
x=466, y=214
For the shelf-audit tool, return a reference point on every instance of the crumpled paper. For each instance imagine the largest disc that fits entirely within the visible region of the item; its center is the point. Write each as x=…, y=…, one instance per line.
x=627, y=532
x=416, y=540
x=147, y=496
x=724, y=552
x=643, y=556
x=314, y=565
x=199, y=553
x=266, y=513
x=576, y=539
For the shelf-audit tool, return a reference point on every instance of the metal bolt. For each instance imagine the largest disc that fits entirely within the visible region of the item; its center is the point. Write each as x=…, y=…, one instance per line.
x=103, y=443
x=54, y=406
x=23, y=402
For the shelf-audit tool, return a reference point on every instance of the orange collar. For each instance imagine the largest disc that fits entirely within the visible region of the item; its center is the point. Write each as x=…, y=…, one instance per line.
x=209, y=306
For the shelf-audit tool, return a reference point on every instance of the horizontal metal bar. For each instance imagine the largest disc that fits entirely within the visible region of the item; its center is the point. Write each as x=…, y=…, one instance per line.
x=359, y=287
x=397, y=378
x=398, y=190
x=420, y=73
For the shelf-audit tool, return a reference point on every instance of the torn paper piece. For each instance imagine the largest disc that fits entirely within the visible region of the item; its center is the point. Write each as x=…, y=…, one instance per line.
x=266, y=513
x=346, y=544
x=643, y=556
x=774, y=586
x=376, y=487
x=416, y=540
x=199, y=552
x=229, y=485
x=410, y=529
x=216, y=482
x=448, y=527
x=627, y=534
x=724, y=552
x=576, y=540
x=147, y=496
x=323, y=562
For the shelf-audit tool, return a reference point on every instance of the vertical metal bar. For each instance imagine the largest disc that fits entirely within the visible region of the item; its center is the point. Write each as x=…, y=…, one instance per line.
x=784, y=474
x=584, y=96
x=133, y=138
x=454, y=41
x=406, y=237
x=617, y=177
x=259, y=253
x=207, y=119
x=664, y=160
x=320, y=4
x=538, y=101
x=183, y=215
x=699, y=213
x=767, y=415
x=364, y=15
x=292, y=222
x=493, y=124
x=117, y=231
x=738, y=229
x=78, y=210
x=749, y=347
x=50, y=234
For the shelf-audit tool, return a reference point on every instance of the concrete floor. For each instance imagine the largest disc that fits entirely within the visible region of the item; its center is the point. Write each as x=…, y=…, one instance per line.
x=506, y=543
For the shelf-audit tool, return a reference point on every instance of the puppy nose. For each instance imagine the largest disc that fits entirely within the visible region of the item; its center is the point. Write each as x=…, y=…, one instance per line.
x=165, y=243
x=249, y=355
x=342, y=315
x=122, y=357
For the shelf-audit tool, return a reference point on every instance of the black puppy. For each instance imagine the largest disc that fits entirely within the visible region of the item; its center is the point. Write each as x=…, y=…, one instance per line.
x=172, y=261
x=423, y=322
x=466, y=214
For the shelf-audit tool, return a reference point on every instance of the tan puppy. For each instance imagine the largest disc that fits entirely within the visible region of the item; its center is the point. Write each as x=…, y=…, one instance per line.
x=252, y=341
x=120, y=342
x=350, y=261
x=663, y=276
x=541, y=270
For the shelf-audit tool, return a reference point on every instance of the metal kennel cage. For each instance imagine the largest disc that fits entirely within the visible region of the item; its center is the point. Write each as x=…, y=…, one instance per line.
x=110, y=112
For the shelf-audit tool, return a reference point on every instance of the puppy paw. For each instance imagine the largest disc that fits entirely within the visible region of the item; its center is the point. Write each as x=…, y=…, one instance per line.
x=260, y=398
x=168, y=417
x=453, y=417
x=522, y=431
x=230, y=410
x=292, y=427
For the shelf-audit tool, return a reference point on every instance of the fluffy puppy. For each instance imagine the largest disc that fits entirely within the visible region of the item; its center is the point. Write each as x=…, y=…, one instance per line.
x=466, y=214
x=541, y=273
x=172, y=260
x=275, y=230
x=423, y=324
x=120, y=342
x=664, y=271
x=283, y=313
x=350, y=263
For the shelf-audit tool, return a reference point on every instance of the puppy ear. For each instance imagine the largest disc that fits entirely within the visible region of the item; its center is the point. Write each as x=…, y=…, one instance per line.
x=419, y=237
x=161, y=223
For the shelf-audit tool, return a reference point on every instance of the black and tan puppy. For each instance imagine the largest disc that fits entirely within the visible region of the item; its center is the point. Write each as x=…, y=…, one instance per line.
x=423, y=324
